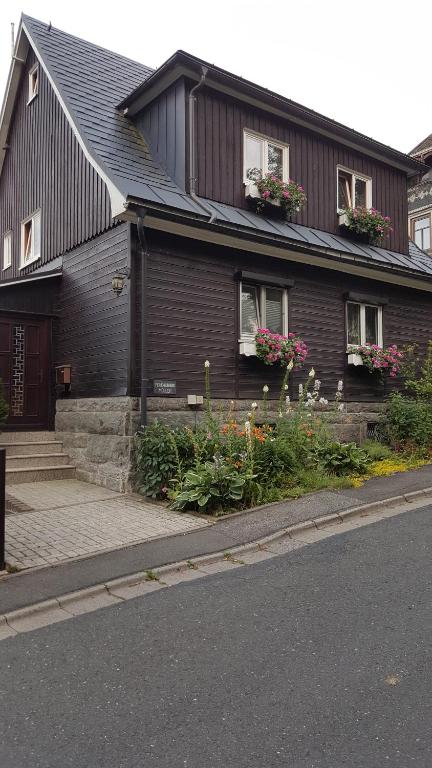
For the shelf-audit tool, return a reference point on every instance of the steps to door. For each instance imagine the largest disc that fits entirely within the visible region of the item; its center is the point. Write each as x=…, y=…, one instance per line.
x=35, y=456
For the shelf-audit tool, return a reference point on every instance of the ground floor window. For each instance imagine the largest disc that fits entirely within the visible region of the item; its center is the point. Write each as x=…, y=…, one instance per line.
x=364, y=324
x=262, y=306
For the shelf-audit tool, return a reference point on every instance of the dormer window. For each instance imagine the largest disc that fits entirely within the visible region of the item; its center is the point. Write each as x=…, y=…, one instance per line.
x=353, y=190
x=33, y=83
x=30, y=239
x=266, y=155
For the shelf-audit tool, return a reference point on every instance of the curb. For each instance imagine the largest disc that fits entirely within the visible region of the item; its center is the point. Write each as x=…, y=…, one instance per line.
x=59, y=605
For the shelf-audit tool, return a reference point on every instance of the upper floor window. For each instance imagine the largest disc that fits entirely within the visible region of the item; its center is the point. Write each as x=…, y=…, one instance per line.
x=353, y=190
x=263, y=306
x=421, y=232
x=30, y=239
x=364, y=324
x=7, y=250
x=33, y=83
x=266, y=155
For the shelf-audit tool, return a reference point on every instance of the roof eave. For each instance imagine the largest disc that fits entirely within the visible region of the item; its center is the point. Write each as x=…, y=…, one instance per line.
x=15, y=71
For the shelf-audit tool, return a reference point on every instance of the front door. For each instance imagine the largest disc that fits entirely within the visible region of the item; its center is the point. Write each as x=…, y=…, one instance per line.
x=24, y=371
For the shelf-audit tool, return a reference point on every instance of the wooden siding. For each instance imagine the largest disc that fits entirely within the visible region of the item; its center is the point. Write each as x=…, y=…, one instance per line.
x=45, y=168
x=312, y=162
x=91, y=331
x=163, y=125
x=192, y=306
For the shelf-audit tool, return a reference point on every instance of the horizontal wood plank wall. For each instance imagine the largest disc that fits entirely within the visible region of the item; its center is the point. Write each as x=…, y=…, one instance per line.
x=92, y=326
x=312, y=162
x=46, y=168
x=193, y=301
x=39, y=297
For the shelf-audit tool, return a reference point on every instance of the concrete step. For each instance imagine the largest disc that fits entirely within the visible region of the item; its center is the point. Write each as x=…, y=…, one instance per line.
x=27, y=448
x=39, y=474
x=25, y=437
x=37, y=460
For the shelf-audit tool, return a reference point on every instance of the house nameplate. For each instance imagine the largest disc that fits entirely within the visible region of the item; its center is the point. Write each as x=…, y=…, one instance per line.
x=164, y=387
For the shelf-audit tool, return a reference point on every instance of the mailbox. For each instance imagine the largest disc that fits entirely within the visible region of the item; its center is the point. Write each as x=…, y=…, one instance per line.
x=64, y=375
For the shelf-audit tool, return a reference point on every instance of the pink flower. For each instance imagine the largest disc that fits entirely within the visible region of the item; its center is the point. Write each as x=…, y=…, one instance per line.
x=266, y=194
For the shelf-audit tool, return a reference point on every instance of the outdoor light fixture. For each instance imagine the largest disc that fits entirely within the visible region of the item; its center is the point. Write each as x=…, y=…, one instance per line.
x=118, y=281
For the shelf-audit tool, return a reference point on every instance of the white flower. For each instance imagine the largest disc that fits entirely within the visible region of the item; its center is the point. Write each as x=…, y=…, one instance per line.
x=265, y=388
x=247, y=427
x=249, y=415
x=323, y=401
x=340, y=385
x=340, y=407
x=207, y=364
x=300, y=389
x=287, y=400
x=317, y=385
x=286, y=387
x=312, y=373
x=254, y=406
x=290, y=365
x=309, y=396
x=232, y=403
x=280, y=414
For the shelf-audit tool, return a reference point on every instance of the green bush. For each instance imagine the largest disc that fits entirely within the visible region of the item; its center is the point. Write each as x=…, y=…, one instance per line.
x=162, y=453
x=4, y=408
x=377, y=451
x=341, y=458
x=409, y=422
x=274, y=459
x=215, y=484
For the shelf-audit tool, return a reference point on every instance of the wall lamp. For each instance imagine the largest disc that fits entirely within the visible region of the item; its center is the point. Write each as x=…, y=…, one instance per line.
x=118, y=281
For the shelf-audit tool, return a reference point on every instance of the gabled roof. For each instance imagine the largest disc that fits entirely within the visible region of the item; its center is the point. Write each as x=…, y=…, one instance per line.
x=423, y=147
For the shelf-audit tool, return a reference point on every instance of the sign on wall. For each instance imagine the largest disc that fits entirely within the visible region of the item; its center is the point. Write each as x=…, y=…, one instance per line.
x=162, y=387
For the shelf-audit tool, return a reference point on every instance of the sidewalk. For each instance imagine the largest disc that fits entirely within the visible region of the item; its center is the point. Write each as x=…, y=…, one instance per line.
x=33, y=586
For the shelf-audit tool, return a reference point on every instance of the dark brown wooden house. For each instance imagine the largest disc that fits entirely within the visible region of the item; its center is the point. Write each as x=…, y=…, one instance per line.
x=112, y=171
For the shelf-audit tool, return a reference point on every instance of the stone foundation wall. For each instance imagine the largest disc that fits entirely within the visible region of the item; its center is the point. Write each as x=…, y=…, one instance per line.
x=97, y=434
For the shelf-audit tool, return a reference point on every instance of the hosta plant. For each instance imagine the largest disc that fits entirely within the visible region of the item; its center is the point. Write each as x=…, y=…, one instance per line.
x=379, y=360
x=368, y=222
x=215, y=484
x=289, y=195
x=276, y=348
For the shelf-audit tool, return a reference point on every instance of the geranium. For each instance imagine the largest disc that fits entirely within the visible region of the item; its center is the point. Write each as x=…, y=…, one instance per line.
x=289, y=195
x=368, y=221
x=272, y=348
x=379, y=360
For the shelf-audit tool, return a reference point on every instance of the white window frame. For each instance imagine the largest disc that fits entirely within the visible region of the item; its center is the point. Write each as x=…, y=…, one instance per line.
x=35, y=255
x=418, y=216
x=363, y=324
x=7, y=249
x=265, y=141
x=262, y=308
x=33, y=92
x=354, y=176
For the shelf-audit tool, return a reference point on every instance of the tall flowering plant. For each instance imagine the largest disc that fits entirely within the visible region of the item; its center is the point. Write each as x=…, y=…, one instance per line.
x=275, y=348
x=368, y=222
x=289, y=195
x=379, y=360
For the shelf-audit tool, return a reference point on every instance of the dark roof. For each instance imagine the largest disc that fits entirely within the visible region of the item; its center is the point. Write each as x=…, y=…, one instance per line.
x=90, y=82
x=424, y=145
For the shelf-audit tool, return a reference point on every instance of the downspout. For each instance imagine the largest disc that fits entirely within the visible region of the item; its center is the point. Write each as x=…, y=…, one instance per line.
x=192, y=148
x=144, y=261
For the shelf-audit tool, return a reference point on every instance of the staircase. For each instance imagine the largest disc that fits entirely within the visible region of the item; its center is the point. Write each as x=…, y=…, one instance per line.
x=35, y=456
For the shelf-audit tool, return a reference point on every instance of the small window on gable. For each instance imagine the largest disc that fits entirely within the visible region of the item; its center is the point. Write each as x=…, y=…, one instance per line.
x=33, y=83
x=421, y=231
x=263, y=306
x=353, y=190
x=31, y=239
x=7, y=250
x=364, y=324
x=264, y=155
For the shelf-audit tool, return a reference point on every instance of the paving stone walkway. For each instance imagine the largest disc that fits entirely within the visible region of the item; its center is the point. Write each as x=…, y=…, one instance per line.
x=53, y=521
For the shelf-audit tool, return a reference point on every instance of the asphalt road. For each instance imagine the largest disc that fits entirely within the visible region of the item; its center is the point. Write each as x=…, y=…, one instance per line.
x=317, y=658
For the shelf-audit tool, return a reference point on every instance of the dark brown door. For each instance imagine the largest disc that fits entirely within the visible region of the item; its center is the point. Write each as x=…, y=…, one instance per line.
x=24, y=371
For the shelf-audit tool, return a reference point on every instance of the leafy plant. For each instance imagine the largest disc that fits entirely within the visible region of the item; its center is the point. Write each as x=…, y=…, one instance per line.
x=4, y=408
x=161, y=454
x=215, y=484
x=275, y=348
x=289, y=195
x=379, y=360
x=409, y=422
x=417, y=371
x=376, y=450
x=342, y=458
x=368, y=221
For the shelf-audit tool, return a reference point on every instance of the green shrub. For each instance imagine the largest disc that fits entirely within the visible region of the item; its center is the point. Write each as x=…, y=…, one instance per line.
x=341, y=458
x=377, y=451
x=409, y=422
x=215, y=484
x=417, y=371
x=4, y=408
x=274, y=459
x=161, y=454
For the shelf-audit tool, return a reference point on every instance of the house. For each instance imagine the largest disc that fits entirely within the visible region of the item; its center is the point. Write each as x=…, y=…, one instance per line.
x=131, y=253
x=420, y=198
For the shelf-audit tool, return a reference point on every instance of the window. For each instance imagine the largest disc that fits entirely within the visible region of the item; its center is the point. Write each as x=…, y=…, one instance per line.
x=266, y=155
x=421, y=232
x=7, y=250
x=33, y=83
x=262, y=307
x=364, y=324
x=353, y=190
x=31, y=239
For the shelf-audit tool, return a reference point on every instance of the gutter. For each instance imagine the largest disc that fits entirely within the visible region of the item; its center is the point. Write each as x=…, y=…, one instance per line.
x=141, y=214
x=192, y=147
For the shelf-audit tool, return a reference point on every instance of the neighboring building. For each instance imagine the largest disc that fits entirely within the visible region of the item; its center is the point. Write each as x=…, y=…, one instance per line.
x=420, y=199
x=109, y=168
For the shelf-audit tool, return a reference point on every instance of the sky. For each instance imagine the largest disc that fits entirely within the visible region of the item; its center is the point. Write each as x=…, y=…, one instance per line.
x=366, y=64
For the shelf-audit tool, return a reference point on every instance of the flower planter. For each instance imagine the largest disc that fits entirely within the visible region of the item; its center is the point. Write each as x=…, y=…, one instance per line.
x=354, y=359
x=247, y=348
x=359, y=237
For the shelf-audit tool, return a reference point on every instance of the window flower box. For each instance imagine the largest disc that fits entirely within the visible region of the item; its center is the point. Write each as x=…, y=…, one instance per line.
x=269, y=193
x=366, y=225
x=354, y=359
x=247, y=348
x=377, y=359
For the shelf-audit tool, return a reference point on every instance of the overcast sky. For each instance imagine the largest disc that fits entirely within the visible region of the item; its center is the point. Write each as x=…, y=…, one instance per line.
x=367, y=64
